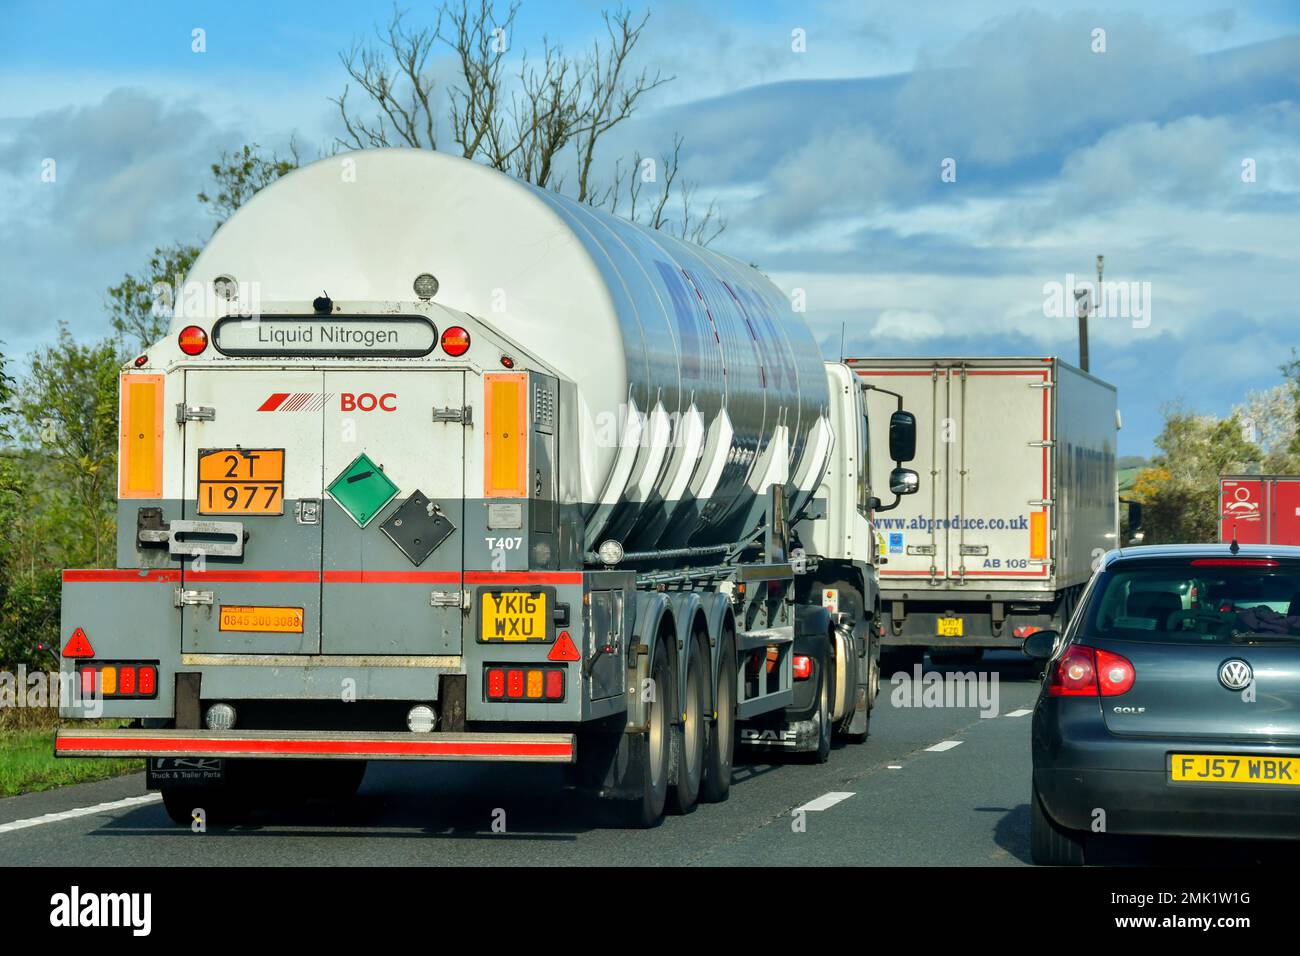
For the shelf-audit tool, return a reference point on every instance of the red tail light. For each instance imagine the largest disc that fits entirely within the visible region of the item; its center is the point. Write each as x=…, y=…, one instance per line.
x=1085, y=672
x=802, y=667
x=192, y=340
x=496, y=684
x=455, y=341
x=555, y=684
x=515, y=683
x=1115, y=674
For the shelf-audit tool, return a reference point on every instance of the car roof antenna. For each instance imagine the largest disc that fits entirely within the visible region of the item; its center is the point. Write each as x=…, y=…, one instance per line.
x=1234, y=547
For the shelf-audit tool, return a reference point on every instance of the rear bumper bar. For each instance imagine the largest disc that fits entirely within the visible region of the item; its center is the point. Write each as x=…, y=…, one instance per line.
x=317, y=745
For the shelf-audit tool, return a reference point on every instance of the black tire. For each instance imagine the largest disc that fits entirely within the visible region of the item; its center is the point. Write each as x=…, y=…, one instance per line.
x=651, y=752
x=1051, y=844
x=721, y=753
x=693, y=734
x=825, y=725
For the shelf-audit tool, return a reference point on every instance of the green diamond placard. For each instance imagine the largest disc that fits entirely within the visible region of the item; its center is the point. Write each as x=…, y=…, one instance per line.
x=362, y=489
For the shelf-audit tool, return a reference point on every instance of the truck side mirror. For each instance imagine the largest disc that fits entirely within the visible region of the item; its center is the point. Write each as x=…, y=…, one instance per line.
x=904, y=481
x=902, y=436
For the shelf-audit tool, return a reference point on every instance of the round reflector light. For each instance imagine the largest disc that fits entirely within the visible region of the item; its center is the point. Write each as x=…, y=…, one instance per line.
x=220, y=717
x=455, y=340
x=192, y=340
x=421, y=719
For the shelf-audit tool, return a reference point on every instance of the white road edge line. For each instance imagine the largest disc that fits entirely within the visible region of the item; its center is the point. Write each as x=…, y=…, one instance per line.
x=1017, y=713
x=944, y=745
x=79, y=812
x=824, y=802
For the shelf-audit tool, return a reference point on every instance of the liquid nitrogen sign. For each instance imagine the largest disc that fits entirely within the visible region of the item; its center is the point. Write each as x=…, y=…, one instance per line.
x=398, y=336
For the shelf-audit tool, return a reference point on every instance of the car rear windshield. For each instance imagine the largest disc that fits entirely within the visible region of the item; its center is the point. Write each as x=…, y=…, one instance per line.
x=1195, y=603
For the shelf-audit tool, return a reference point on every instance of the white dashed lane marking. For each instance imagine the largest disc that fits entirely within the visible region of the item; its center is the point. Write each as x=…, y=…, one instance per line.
x=1018, y=713
x=79, y=812
x=944, y=745
x=824, y=802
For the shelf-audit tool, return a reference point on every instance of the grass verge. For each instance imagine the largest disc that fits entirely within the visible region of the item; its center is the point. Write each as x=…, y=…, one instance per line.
x=27, y=761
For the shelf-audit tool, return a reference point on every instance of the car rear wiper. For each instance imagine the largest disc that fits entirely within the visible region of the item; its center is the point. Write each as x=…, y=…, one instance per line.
x=1247, y=637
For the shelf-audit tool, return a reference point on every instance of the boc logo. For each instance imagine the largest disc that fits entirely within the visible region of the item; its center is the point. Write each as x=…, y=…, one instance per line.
x=367, y=402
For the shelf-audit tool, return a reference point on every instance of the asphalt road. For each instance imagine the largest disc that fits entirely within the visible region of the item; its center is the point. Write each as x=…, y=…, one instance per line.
x=935, y=785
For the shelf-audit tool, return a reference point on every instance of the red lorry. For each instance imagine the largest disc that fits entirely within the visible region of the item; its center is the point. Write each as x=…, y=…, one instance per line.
x=1260, y=509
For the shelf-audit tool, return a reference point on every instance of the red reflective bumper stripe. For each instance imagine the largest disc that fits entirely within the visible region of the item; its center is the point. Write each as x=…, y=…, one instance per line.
x=197, y=745
x=392, y=577
x=523, y=577
x=230, y=576
x=235, y=575
x=123, y=575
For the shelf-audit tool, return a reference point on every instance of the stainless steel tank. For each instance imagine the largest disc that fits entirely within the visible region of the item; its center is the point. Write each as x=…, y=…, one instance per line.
x=698, y=384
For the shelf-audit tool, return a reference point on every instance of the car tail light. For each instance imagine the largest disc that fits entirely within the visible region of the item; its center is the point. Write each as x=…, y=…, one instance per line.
x=1023, y=632
x=126, y=681
x=496, y=684
x=1085, y=672
x=514, y=683
x=802, y=667
x=455, y=341
x=192, y=340
x=1115, y=674
x=555, y=684
x=1075, y=674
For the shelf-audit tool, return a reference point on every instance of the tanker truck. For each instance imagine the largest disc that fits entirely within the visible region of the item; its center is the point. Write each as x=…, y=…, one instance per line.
x=436, y=465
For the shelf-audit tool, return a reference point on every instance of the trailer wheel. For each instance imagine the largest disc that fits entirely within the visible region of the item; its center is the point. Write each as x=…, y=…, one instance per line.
x=685, y=794
x=721, y=752
x=649, y=754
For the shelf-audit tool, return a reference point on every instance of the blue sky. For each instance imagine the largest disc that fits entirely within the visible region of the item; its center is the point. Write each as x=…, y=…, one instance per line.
x=825, y=162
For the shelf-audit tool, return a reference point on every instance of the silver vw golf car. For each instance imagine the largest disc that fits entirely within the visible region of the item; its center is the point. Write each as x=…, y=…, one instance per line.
x=1171, y=704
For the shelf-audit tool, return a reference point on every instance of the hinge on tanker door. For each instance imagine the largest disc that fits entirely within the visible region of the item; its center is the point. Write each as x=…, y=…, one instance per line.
x=1047, y=443
x=194, y=413
x=1042, y=503
x=184, y=597
x=458, y=599
x=1043, y=384
x=464, y=415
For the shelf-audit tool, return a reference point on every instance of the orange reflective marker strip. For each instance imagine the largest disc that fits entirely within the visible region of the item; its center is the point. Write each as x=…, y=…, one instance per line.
x=140, y=437
x=1038, y=535
x=505, y=454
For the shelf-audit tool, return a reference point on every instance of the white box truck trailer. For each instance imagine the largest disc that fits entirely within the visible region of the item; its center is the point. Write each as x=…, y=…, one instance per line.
x=1018, y=499
x=434, y=465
